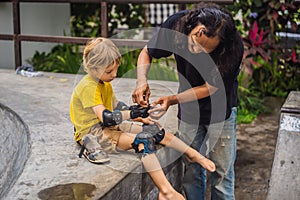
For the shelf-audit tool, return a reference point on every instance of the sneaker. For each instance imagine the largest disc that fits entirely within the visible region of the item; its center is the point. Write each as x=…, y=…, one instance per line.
x=92, y=150
x=28, y=70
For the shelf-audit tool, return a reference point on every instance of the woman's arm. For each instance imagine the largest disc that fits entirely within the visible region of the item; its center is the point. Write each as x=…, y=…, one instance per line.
x=196, y=93
x=192, y=94
x=142, y=91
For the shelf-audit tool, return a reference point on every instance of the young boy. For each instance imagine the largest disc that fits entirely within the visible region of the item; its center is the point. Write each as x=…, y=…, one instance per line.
x=97, y=116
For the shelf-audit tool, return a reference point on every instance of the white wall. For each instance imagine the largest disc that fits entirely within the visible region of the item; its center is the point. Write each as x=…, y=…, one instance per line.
x=36, y=18
x=6, y=27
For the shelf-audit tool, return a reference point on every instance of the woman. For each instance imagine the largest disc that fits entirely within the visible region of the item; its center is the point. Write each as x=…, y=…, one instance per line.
x=208, y=51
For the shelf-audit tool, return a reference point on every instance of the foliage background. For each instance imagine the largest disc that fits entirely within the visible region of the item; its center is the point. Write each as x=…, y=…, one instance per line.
x=271, y=64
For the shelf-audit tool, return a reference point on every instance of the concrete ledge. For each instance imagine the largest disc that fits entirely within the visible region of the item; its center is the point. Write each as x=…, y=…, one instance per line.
x=285, y=177
x=14, y=148
x=53, y=169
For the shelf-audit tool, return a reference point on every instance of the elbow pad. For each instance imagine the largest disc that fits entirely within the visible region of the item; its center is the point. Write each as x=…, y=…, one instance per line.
x=111, y=118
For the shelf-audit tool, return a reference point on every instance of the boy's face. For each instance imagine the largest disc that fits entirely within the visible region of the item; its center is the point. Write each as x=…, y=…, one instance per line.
x=110, y=73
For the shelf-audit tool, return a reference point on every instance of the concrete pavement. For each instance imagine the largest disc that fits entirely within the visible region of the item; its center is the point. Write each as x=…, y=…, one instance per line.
x=52, y=164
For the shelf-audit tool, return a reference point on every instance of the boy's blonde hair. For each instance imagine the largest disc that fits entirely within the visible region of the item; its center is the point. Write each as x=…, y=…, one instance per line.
x=98, y=54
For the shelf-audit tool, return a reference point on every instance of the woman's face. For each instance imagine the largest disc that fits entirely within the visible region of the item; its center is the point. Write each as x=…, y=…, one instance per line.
x=199, y=42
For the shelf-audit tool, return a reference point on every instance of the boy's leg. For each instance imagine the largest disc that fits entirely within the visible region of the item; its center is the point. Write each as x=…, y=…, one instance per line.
x=91, y=148
x=125, y=141
x=193, y=156
x=223, y=154
x=166, y=190
x=130, y=127
x=152, y=166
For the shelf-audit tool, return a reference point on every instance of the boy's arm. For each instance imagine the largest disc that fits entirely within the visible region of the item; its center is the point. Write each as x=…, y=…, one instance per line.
x=120, y=105
x=99, y=109
x=111, y=118
x=146, y=120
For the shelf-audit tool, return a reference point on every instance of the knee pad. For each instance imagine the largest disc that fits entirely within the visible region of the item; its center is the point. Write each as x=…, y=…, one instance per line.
x=150, y=136
x=147, y=140
x=153, y=129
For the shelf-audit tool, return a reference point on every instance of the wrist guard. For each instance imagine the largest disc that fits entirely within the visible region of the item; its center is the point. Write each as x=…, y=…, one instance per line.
x=138, y=111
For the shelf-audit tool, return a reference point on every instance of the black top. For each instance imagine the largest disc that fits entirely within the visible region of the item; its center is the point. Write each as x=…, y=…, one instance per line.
x=194, y=70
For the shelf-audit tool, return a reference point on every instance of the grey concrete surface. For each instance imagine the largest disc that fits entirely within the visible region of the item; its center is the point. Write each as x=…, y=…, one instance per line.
x=53, y=165
x=285, y=177
x=14, y=134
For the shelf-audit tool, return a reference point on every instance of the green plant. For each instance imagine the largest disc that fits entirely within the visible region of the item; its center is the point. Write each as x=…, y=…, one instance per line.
x=250, y=102
x=261, y=22
x=270, y=66
x=86, y=20
x=272, y=15
x=160, y=68
x=276, y=78
x=64, y=58
x=257, y=44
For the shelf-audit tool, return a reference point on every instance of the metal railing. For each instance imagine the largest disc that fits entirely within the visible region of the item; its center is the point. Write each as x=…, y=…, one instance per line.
x=18, y=37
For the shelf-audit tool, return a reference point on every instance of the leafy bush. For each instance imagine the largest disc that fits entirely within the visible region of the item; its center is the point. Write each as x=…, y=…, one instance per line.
x=250, y=102
x=262, y=20
x=86, y=21
x=270, y=66
x=67, y=59
x=275, y=79
x=267, y=69
x=64, y=58
x=160, y=68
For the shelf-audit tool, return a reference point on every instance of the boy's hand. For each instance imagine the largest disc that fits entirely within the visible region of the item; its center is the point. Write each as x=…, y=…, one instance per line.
x=146, y=120
x=149, y=120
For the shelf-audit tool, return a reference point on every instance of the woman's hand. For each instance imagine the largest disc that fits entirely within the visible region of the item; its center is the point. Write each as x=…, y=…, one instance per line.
x=141, y=94
x=142, y=91
x=161, y=105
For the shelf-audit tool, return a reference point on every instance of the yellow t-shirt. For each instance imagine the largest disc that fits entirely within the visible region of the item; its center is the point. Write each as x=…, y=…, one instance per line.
x=87, y=94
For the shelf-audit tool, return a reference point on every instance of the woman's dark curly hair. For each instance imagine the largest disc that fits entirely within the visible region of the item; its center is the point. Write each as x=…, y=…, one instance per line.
x=218, y=22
